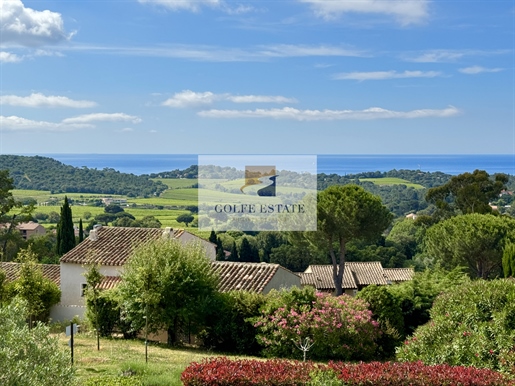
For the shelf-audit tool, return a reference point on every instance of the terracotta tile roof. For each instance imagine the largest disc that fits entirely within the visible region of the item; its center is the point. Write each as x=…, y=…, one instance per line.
x=31, y=225
x=357, y=274
x=109, y=282
x=113, y=245
x=399, y=274
x=367, y=272
x=244, y=276
x=321, y=276
x=50, y=271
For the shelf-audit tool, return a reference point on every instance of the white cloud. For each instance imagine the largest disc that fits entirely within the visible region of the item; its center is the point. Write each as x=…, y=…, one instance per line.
x=188, y=5
x=7, y=57
x=439, y=56
x=40, y=100
x=221, y=54
x=188, y=98
x=329, y=115
x=382, y=75
x=27, y=27
x=404, y=11
x=478, y=70
x=126, y=130
x=14, y=123
x=103, y=117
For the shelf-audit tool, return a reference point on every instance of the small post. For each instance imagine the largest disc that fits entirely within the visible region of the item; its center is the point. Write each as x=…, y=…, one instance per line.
x=71, y=339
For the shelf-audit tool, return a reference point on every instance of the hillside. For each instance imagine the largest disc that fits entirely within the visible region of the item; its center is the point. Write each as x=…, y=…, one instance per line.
x=43, y=173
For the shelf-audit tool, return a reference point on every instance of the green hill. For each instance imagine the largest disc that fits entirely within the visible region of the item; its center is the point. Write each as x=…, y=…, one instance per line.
x=43, y=173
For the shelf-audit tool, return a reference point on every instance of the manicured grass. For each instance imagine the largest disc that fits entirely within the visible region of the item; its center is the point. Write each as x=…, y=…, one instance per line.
x=392, y=181
x=117, y=356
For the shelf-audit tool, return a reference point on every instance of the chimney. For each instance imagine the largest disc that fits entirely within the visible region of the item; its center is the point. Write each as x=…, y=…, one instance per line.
x=93, y=235
x=97, y=226
x=167, y=233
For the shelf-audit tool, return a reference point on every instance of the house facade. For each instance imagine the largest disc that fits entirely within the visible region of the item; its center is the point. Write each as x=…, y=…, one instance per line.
x=109, y=248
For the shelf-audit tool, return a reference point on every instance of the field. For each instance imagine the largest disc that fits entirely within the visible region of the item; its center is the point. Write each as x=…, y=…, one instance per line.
x=388, y=181
x=117, y=356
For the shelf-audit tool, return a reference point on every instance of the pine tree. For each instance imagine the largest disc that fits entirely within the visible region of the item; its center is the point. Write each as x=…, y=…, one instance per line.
x=65, y=232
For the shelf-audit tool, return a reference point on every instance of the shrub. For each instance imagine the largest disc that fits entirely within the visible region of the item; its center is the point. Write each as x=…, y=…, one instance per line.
x=222, y=371
x=225, y=372
x=415, y=374
x=107, y=314
x=30, y=356
x=471, y=325
x=228, y=328
x=340, y=327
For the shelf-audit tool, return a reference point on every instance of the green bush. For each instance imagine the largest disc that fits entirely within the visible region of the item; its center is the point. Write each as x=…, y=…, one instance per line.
x=471, y=325
x=107, y=316
x=386, y=309
x=30, y=356
x=228, y=327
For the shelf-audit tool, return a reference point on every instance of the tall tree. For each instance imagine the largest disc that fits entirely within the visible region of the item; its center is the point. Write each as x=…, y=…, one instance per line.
x=474, y=241
x=508, y=260
x=346, y=213
x=165, y=284
x=81, y=231
x=10, y=239
x=93, y=279
x=234, y=253
x=467, y=193
x=65, y=231
x=246, y=251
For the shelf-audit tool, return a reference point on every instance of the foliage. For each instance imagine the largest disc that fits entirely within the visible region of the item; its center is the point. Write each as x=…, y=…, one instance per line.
x=474, y=241
x=65, y=231
x=416, y=296
x=346, y=213
x=468, y=193
x=30, y=356
x=113, y=381
x=340, y=327
x=508, y=260
x=415, y=374
x=386, y=309
x=222, y=371
x=167, y=283
x=185, y=218
x=39, y=293
x=113, y=209
x=471, y=325
x=228, y=327
x=43, y=173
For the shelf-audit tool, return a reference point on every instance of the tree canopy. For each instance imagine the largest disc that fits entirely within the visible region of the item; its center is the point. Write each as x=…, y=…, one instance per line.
x=346, y=213
x=468, y=192
x=474, y=241
x=166, y=283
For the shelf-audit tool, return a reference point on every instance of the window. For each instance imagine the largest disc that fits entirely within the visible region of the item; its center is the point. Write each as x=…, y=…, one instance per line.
x=83, y=287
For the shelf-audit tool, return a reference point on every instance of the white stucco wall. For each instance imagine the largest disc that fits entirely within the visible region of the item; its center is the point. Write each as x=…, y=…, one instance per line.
x=282, y=279
x=72, y=301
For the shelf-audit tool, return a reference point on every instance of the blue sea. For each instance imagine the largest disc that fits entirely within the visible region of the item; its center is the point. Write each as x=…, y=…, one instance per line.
x=336, y=163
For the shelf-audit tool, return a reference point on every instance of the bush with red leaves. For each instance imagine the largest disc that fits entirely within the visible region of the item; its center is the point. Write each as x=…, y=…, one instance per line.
x=225, y=372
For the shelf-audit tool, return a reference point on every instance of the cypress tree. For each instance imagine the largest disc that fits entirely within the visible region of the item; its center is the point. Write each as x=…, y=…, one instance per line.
x=81, y=231
x=65, y=232
x=220, y=253
x=234, y=253
x=212, y=236
x=245, y=251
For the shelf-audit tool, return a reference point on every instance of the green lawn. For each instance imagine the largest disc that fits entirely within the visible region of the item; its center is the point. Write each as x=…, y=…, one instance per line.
x=116, y=356
x=391, y=181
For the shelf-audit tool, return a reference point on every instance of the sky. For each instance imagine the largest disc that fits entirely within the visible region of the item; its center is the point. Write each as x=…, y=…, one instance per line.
x=257, y=77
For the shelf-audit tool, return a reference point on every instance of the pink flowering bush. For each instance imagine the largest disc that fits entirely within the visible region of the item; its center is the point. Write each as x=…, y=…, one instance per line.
x=340, y=327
